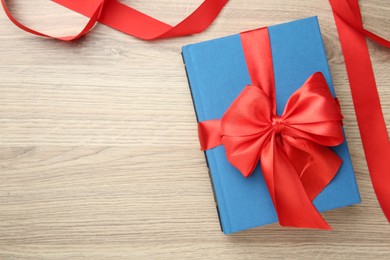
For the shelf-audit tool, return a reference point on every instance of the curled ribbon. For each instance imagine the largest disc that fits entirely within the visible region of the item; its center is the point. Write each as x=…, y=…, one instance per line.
x=130, y=21
x=292, y=148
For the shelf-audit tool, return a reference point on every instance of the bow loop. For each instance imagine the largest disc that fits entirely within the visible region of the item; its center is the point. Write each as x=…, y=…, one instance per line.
x=244, y=128
x=249, y=114
x=312, y=113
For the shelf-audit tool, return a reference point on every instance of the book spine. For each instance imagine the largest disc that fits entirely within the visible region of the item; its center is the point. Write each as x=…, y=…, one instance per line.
x=205, y=155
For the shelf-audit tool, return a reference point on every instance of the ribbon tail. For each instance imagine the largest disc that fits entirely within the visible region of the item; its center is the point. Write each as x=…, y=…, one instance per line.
x=292, y=203
x=307, y=158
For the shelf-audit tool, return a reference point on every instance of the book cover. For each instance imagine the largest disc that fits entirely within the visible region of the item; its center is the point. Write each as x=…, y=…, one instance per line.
x=217, y=73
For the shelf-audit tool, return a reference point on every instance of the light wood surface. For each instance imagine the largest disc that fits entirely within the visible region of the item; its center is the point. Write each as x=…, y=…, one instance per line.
x=99, y=157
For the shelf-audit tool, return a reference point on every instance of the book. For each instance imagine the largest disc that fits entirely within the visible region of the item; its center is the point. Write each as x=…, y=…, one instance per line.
x=217, y=73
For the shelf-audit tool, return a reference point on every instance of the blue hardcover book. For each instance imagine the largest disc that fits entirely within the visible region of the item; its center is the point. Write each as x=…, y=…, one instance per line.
x=217, y=73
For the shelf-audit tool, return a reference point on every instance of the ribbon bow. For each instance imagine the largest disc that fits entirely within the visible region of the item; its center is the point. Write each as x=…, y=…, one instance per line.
x=292, y=148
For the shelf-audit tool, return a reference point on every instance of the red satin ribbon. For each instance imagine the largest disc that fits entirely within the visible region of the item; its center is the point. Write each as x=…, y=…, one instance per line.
x=131, y=21
x=292, y=148
x=365, y=96
x=93, y=12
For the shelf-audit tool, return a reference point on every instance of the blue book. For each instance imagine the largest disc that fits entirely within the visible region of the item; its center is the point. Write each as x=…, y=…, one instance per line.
x=217, y=73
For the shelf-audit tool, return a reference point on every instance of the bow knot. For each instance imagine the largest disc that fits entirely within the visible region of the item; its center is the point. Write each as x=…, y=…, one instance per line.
x=278, y=124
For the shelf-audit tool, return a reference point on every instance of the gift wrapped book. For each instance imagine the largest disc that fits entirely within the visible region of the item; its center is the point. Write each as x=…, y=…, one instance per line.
x=271, y=127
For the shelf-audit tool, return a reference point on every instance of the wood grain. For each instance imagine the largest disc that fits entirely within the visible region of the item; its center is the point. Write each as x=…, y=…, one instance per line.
x=99, y=156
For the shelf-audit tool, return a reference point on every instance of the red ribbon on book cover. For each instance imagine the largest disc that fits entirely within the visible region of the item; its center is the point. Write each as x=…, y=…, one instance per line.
x=130, y=21
x=365, y=96
x=293, y=147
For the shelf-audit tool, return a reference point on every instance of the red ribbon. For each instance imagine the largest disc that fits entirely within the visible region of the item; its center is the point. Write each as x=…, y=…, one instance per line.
x=292, y=148
x=131, y=21
x=352, y=34
x=365, y=96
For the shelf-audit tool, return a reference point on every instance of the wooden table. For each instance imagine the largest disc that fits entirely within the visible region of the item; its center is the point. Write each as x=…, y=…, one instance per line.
x=99, y=157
